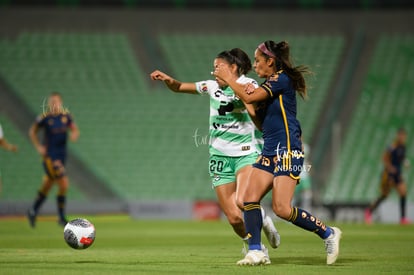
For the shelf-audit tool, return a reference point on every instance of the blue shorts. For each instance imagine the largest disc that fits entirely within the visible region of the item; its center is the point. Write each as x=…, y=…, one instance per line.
x=54, y=166
x=284, y=164
x=389, y=180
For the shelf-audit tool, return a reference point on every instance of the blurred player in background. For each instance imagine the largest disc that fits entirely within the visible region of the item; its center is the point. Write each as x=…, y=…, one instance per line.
x=282, y=157
x=6, y=146
x=233, y=138
x=56, y=122
x=393, y=160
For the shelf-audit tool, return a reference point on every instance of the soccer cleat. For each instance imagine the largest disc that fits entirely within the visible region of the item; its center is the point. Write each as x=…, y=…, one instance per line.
x=31, y=216
x=332, y=245
x=404, y=221
x=271, y=232
x=62, y=222
x=368, y=216
x=245, y=250
x=254, y=257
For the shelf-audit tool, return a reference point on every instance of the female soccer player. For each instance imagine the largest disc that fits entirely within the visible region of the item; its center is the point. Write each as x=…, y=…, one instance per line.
x=393, y=160
x=233, y=146
x=6, y=146
x=282, y=157
x=56, y=122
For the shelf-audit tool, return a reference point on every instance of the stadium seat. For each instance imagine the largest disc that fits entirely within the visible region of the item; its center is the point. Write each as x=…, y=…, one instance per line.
x=385, y=104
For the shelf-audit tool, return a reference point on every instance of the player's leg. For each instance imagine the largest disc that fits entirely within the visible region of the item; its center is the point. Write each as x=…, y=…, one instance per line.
x=63, y=184
x=283, y=190
x=258, y=185
x=385, y=186
x=32, y=212
x=244, y=168
x=401, y=187
x=226, y=195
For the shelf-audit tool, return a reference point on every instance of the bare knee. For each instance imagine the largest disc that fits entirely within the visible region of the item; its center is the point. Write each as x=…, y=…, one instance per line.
x=240, y=203
x=282, y=210
x=234, y=217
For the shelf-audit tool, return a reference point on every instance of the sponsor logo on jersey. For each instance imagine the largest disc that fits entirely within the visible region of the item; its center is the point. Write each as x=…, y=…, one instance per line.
x=217, y=177
x=204, y=87
x=245, y=148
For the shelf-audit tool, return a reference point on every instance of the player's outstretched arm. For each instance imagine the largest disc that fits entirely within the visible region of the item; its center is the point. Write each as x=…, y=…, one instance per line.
x=7, y=146
x=173, y=84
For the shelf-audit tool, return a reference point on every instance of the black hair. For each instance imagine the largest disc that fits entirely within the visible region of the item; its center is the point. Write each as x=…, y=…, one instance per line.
x=283, y=62
x=239, y=57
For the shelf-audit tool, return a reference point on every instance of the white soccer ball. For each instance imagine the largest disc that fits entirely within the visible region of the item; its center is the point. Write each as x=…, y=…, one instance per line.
x=79, y=233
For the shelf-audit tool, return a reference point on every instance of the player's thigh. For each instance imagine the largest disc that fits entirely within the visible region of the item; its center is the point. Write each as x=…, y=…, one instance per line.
x=386, y=184
x=226, y=196
x=259, y=183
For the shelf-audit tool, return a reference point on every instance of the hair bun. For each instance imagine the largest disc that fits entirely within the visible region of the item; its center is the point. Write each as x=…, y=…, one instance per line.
x=283, y=45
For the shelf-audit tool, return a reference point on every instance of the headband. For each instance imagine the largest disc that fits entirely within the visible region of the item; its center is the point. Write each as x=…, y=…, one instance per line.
x=263, y=49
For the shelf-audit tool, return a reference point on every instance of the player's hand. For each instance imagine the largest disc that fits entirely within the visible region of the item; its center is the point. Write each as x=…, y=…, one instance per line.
x=222, y=72
x=249, y=88
x=158, y=75
x=41, y=150
x=13, y=148
x=392, y=170
x=74, y=135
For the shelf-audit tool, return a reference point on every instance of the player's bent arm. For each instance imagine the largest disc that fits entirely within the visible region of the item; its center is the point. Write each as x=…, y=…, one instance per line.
x=386, y=158
x=35, y=141
x=252, y=113
x=173, y=84
x=74, y=132
x=247, y=93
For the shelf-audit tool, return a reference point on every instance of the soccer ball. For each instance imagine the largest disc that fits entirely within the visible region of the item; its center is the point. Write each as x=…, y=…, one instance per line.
x=79, y=233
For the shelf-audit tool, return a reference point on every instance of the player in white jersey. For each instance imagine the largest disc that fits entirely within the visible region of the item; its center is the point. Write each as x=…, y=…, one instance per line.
x=234, y=140
x=7, y=146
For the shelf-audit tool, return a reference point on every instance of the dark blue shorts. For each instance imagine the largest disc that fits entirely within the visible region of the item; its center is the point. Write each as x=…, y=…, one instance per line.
x=54, y=166
x=389, y=180
x=284, y=164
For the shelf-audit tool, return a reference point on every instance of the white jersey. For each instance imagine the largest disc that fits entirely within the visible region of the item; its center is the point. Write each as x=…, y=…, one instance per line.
x=1, y=132
x=232, y=132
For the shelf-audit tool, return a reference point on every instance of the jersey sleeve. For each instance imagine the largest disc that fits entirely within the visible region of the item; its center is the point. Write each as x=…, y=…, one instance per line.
x=273, y=87
x=40, y=121
x=206, y=87
x=1, y=132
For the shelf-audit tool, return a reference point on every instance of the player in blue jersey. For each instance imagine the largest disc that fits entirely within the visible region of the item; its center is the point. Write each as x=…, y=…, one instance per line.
x=233, y=136
x=391, y=176
x=56, y=122
x=282, y=157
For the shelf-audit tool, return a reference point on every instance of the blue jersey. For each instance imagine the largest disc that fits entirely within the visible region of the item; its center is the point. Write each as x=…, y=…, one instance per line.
x=281, y=129
x=397, y=156
x=55, y=132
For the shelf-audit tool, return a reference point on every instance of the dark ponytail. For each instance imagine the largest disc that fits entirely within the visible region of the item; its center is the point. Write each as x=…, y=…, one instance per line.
x=239, y=57
x=283, y=62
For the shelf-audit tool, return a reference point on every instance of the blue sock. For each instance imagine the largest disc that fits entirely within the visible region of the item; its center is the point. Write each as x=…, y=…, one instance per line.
x=61, y=202
x=253, y=222
x=308, y=222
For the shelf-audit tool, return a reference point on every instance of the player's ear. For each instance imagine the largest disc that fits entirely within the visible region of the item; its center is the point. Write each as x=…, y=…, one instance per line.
x=270, y=62
x=234, y=68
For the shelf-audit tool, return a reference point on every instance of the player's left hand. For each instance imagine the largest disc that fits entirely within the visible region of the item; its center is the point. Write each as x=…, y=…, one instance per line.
x=222, y=72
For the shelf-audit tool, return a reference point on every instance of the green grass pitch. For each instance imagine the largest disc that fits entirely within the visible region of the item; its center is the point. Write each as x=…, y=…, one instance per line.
x=125, y=246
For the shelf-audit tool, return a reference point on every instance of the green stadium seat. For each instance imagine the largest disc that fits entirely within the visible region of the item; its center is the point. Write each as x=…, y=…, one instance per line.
x=384, y=105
